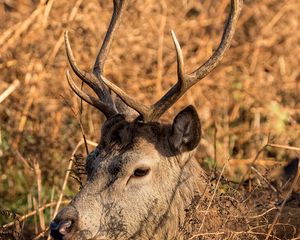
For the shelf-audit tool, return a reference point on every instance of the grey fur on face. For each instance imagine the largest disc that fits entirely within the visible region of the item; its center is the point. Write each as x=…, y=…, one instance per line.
x=117, y=204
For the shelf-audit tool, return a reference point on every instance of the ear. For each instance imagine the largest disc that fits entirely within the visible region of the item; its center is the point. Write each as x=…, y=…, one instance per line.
x=186, y=130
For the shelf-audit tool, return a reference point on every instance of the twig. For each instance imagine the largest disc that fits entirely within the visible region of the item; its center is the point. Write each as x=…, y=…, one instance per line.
x=26, y=163
x=47, y=12
x=208, y=234
x=9, y=37
x=264, y=213
x=284, y=147
x=253, y=162
x=215, y=142
x=8, y=33
x=81, y=142
x=266, y=180
x=35, y=217
x=38, y=175
x=61, y=37
x=30, y=101
x=41, y=234
x=66, y=178
x=24, y=217
x=9, y=90
x=233, y=232
x=213, y=196
x=258, y=233
x=160, y=60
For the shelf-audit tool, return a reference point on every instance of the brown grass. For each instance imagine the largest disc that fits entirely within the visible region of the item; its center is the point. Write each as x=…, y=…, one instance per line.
x=250, y=99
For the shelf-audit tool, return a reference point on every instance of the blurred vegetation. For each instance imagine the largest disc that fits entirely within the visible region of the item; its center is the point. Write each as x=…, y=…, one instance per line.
x=253, y=94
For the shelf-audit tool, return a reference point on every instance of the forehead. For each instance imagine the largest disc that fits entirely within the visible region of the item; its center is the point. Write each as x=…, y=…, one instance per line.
x=122, y=145
x=117, y=132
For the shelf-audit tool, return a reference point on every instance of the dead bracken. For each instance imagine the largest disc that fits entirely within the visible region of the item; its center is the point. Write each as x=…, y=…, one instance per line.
x=248, y=108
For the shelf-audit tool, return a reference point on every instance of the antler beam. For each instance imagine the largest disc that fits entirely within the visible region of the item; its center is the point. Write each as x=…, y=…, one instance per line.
x=185, y=81
x=100, y=84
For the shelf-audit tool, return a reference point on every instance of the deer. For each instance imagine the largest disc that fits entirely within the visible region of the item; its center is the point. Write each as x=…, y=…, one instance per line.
x=143, y=174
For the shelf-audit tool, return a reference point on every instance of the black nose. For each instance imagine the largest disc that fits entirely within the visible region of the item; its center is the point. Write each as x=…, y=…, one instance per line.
x=64, y=223
x=58, y=230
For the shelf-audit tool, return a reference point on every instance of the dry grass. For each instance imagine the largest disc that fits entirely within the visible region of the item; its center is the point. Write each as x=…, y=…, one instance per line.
x=250, y=99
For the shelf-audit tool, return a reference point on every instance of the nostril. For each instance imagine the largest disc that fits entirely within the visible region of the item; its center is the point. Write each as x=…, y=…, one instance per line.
x=64, y=227
x=64, y=223
x=58, y=230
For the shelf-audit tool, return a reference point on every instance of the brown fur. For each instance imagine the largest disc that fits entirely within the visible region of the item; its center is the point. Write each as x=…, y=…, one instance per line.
x=115, y=205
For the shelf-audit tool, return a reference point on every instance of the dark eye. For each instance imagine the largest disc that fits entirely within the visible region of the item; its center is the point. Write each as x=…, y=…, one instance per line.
x=141, y=172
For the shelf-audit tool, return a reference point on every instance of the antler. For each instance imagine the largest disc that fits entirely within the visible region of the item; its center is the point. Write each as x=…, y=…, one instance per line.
x=185, y=81
x=105, y=103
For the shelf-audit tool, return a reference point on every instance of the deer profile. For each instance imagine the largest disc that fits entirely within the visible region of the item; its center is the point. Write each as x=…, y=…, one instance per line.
x=143, y=174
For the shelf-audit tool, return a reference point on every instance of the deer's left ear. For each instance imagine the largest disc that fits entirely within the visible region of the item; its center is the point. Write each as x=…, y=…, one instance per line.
x=186, y=130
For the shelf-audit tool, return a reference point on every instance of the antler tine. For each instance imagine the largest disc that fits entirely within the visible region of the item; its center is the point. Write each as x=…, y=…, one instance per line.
x=148, y=113
x=106, y=109
x=113, y=25
x=94, y=80
x=179, y=56
x=86, y=77
x=101, y=57
x=185, y=81
x=105, y=99
x=142, y=109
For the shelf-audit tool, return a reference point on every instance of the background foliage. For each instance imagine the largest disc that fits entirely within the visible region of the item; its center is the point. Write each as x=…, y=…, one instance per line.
x=253, y=94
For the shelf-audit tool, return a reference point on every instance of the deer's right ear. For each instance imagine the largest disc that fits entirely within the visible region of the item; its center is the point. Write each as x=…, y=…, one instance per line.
x=186, y=130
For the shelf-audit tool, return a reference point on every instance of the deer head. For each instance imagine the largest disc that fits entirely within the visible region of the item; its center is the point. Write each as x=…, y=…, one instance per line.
x=142, y=175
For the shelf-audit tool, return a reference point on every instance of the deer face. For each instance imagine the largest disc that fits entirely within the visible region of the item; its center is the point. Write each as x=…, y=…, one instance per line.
x=139, y=181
